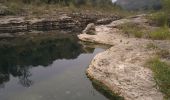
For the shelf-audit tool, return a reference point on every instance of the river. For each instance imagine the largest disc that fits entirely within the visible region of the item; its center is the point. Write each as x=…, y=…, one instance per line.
x=52, y=70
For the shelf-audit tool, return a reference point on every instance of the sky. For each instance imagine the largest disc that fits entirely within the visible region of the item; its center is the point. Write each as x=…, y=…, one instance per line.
x=114, y=1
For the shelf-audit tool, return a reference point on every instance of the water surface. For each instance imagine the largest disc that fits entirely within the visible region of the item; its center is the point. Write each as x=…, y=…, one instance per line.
x=53, y=70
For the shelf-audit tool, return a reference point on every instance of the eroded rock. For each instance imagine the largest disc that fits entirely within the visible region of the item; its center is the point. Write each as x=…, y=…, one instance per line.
x=74, y=22
x=121, y=68
x=90, y=29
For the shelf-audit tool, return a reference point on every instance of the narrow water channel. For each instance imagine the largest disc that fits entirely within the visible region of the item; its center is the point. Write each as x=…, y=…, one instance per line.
x=48, y=71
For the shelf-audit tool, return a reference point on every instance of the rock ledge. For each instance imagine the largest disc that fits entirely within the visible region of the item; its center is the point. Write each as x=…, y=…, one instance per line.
x=121, y=67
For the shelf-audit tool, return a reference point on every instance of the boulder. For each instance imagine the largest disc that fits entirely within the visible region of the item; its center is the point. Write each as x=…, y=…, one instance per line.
x=90, y=29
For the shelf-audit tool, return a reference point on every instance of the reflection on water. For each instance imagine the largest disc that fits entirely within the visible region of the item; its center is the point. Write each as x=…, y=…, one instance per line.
x=16, y=61
x=48, y=70
x=139, y=4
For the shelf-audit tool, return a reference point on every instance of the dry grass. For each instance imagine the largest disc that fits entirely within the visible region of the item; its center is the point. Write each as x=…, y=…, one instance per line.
x=138, y=31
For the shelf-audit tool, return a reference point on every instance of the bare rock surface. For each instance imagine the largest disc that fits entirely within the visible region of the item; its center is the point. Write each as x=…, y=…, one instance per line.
x=71, y=22
x=121, y=68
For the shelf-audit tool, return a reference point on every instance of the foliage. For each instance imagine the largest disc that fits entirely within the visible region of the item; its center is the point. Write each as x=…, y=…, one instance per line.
x=160, y=34
x=159, y=18
x=131, y=29
x=65, y=2
x=161, y=71
x=166, y=5
x=40, y=7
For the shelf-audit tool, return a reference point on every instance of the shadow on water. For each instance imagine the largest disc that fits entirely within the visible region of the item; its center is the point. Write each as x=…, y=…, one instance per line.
x=105, y=91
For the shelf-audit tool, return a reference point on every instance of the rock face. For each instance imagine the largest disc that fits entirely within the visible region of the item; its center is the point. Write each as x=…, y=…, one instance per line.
x=121, y=68
x=65, y=22
x=20, y=24
x=90, y=29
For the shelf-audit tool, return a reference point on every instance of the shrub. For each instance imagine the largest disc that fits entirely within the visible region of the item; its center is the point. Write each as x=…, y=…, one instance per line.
x=160, y=34
x=159, y=19
x=132, y=29
x=161, y=71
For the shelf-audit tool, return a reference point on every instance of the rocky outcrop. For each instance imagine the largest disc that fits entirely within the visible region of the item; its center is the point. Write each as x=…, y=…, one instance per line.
x=121, y=68
x=75, y=22
x=90, y=29
x=20, y=24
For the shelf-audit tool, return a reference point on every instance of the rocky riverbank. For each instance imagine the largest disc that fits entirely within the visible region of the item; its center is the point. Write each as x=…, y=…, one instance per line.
x=121, y=68
x=70, y=22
